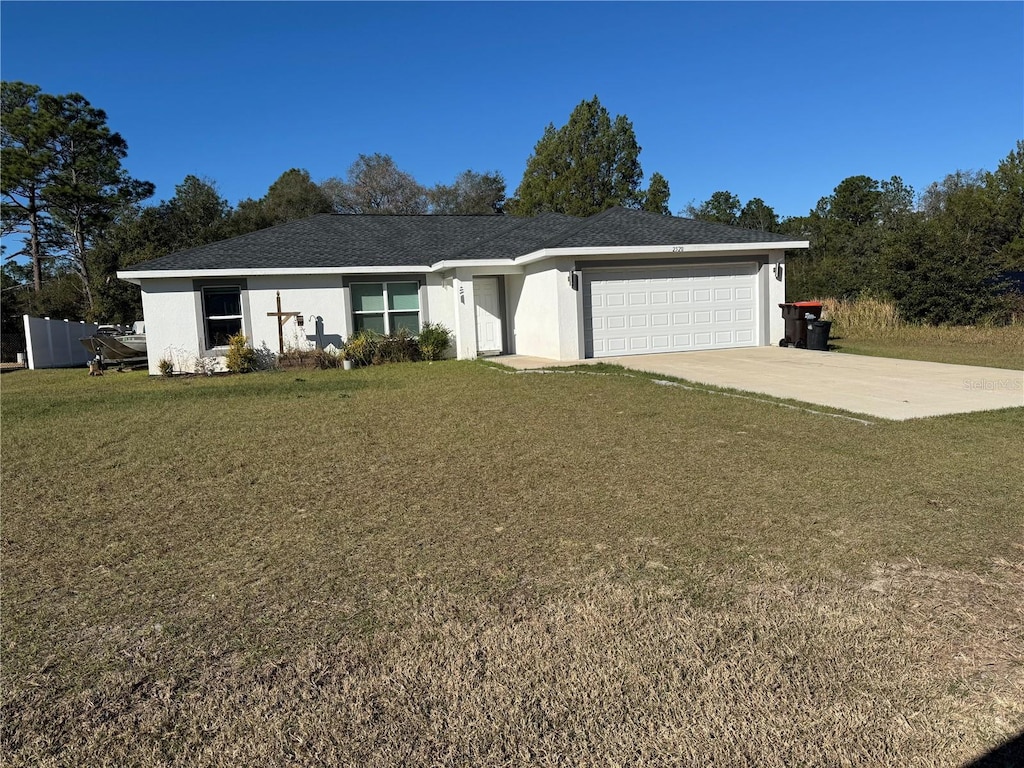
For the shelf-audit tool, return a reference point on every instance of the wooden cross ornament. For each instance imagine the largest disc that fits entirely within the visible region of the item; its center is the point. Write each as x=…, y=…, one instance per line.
x=282, y=318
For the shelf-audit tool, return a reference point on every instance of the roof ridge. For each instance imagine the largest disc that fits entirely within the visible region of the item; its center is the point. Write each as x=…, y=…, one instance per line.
x=722, y=225
x=577, y=228
x=417, y=215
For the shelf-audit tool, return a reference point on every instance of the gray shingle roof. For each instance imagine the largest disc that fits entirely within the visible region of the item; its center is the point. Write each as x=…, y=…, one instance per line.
x=341, y=240
x=346, y=240
x=623, y=227
x=526, y=238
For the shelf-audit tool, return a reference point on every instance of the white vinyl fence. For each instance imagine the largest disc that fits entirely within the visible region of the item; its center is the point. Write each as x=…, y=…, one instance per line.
x=54, y=343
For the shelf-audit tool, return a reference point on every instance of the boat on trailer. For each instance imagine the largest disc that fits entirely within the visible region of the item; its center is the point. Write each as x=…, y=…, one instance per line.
x=111, y=343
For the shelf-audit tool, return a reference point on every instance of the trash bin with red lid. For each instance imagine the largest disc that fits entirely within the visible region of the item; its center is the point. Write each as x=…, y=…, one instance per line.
x=796, y=314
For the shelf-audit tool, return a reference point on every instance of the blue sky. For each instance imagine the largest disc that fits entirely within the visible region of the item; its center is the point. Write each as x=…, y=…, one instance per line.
x=778, y=101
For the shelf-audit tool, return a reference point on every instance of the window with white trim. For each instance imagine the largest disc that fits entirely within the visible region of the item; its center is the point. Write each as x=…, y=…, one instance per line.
x=386, y=308
x=222, y=313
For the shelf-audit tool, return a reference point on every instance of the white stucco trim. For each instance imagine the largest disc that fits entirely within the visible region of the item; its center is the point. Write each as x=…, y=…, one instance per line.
x=136, y=276
x=647, y=250
x=509, y=264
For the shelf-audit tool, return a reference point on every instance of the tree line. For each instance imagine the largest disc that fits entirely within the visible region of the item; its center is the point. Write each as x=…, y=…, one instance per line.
x=81, y=217
x=953, y=254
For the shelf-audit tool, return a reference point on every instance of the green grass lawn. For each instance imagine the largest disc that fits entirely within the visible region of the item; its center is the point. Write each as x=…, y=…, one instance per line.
x=448, y=564
x=996, y=347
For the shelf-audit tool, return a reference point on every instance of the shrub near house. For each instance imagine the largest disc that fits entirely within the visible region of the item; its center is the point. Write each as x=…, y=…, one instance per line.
x=368, y=348
x=241, y=357
x=364, y=348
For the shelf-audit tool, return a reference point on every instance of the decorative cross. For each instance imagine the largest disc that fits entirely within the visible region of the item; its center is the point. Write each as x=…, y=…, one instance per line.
x=282, y=318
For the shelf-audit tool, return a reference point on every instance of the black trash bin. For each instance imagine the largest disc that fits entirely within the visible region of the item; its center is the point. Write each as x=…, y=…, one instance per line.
x=817, y=334
x=796, y=314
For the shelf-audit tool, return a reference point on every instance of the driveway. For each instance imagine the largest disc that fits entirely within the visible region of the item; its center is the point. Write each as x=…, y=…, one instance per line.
x=879, y=386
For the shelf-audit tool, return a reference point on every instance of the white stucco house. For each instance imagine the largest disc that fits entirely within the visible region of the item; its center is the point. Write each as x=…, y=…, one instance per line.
x=621, y=282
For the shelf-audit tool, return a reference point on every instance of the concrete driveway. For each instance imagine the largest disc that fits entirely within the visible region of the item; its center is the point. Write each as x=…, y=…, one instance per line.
x=879, y=386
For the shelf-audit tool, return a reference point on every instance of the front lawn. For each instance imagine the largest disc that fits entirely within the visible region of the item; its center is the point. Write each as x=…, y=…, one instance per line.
x=449, y=564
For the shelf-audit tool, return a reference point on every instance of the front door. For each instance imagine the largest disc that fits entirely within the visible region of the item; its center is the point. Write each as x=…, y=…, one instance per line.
x=488, y=316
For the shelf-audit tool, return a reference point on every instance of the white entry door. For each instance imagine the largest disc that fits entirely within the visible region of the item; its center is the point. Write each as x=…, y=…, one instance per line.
x=670, y=309
x=488, y=316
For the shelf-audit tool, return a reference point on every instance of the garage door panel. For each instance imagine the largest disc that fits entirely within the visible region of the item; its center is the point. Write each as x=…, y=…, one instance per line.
x=637, y=299
x=665, y=309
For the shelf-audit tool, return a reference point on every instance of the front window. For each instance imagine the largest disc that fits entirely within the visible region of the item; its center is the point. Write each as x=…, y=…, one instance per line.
x=222, y=314
x=386, y=307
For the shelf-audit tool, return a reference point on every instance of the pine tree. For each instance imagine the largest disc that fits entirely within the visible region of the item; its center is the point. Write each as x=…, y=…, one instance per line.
x=589, y=164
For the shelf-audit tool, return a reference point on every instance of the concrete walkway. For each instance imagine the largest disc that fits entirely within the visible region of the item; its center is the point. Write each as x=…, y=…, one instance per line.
x=879, y=386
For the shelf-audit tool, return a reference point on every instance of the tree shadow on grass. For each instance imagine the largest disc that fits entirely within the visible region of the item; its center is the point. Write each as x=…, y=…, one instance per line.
x=1009, y=754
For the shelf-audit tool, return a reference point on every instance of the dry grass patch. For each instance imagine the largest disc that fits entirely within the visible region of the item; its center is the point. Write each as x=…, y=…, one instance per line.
x=785, y=674
x=863, y=315
x=874, y=327
x=994, y=347
x=439, y=564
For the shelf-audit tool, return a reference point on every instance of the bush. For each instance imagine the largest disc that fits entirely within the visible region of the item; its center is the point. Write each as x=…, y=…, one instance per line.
x=241, y=358
x=434, y=341
x=399, y=347
x=265, y=358
x=368, y=348
x=325, y=359
x=204, y=366
x=166, y=367
x=360, y=348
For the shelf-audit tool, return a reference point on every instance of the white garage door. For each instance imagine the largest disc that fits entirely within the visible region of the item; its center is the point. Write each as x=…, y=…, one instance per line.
x=670, y=309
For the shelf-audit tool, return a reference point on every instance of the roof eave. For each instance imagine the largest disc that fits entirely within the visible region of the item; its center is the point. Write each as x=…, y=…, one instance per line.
x=148, y=274
x=636, y=250
x=457, y=263
x=136, y=276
